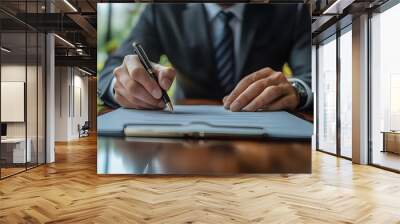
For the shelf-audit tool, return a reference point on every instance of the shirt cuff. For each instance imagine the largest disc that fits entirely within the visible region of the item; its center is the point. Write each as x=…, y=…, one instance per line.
x=110, y=92
x=309, y=99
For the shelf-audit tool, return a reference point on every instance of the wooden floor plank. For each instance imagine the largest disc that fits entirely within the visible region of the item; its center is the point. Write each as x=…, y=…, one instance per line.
x=70, y=191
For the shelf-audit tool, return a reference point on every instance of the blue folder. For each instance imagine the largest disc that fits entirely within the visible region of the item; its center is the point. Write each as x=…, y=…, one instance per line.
x=203, y=122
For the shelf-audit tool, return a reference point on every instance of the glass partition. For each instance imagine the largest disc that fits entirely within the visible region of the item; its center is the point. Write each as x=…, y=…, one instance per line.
x=41, y=96
x=15, y=150
x=33, y=64
x=31, y=97
x=346, y=92
x=326, y=139
x=22, y=77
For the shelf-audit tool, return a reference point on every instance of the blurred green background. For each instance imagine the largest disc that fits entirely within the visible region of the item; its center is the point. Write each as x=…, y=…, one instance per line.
x=114, y=23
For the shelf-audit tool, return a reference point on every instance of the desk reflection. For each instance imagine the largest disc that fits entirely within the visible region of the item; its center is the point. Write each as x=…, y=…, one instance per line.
x=119, y=155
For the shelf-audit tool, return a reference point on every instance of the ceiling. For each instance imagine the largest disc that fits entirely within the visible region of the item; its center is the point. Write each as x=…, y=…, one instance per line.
x=75, y=21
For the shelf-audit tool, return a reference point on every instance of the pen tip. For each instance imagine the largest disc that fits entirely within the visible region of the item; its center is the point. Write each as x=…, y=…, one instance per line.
x=170, y=107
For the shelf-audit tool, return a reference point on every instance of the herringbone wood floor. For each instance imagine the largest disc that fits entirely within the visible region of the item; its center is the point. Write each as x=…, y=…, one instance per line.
x=69, y=191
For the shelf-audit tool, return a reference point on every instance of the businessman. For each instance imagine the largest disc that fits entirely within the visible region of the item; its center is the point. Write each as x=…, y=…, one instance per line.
x=230, y=52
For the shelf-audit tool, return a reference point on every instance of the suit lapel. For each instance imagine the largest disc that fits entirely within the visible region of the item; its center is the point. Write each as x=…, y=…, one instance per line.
x=252, y=20
x=197, y=35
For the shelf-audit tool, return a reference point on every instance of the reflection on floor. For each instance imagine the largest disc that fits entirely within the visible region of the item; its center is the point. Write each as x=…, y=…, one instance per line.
x=70, y=191
x=387, y=159
x=11, y=169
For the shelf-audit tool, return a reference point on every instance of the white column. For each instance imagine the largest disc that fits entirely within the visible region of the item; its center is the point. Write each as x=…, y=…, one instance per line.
x=360, y=90
x=50, y=98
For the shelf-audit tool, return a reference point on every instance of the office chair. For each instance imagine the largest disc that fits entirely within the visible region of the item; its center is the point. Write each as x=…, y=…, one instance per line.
x=84, y=130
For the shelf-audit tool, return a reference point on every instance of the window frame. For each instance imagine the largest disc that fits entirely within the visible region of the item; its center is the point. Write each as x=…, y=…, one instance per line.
x=335, y=36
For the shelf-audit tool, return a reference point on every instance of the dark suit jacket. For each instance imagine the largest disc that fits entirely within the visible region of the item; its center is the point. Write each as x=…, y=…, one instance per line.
x=271, y=35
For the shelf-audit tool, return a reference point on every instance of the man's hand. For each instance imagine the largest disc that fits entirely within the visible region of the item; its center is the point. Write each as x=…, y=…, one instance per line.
x=264, y=89
x=135, y=89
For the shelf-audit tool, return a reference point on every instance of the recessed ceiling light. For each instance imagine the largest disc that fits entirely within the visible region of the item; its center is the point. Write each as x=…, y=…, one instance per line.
x=70, y=5
x=84, y=71
x=337, y=7
x=5, y=50
x=64, y=40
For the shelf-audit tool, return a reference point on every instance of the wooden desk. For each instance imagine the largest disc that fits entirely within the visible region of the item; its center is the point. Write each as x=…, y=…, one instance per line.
x=122, y=155
x=14, y=152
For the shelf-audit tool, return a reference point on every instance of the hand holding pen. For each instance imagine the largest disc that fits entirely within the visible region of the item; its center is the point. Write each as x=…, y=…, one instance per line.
x=135, y=88
x=150, y=71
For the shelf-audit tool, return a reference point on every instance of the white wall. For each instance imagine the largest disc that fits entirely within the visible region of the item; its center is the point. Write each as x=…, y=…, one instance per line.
x=70, y=84
x=16, y=73
x=80, y=103
x=33, y=126
x=61, y=103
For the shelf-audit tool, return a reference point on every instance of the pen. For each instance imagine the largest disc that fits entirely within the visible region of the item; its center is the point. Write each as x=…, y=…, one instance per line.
x=149, y=69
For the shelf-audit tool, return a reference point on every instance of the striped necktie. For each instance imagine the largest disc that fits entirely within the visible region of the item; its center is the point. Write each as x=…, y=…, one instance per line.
x=224, y=54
